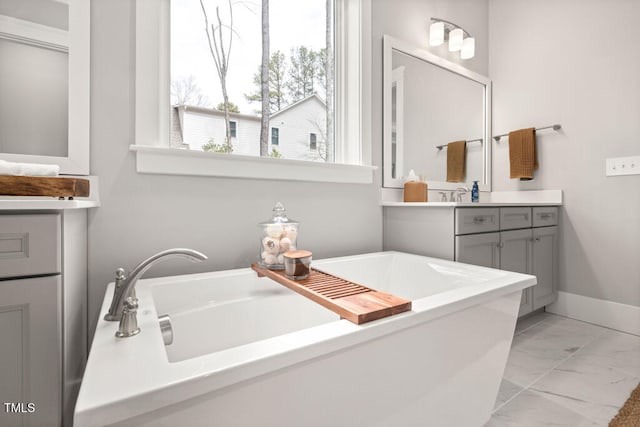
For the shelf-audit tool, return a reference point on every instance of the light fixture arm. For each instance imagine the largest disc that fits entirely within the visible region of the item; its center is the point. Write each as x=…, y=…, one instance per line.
x=450, y=26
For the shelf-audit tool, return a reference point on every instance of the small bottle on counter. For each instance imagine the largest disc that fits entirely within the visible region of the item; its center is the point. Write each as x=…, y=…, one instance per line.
x=475, y=192
x=415, y=190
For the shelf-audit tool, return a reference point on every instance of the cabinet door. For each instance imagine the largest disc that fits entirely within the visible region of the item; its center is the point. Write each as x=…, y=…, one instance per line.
x=479, y=249
x=516, y=255
x=545, y=265
x=30, y=349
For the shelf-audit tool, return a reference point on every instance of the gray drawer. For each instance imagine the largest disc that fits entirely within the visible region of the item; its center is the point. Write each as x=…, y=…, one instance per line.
x=512, y=218
x=545, y=216
x=477, y=220
x=29, y=245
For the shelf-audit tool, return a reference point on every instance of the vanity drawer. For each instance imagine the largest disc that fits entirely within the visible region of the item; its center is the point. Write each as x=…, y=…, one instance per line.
x=29, y=245
x=513, y=218
x=477, y=220
x=545, y=216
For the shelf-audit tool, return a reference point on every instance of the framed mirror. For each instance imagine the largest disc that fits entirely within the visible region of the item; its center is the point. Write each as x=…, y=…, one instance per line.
x=44, y=82
x=429, y=102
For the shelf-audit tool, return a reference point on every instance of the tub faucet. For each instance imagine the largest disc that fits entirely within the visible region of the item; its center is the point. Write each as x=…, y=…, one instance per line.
x=126, y=283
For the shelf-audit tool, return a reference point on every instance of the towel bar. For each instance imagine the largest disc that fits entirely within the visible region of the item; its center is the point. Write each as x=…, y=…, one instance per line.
x=440, y=147
x=554, y=127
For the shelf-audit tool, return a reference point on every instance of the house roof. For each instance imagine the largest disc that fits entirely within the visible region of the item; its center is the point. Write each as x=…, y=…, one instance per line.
x=215, y=112
x=301, y=101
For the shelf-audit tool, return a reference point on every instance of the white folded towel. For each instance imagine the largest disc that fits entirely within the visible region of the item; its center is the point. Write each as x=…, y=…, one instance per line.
x=28, y=169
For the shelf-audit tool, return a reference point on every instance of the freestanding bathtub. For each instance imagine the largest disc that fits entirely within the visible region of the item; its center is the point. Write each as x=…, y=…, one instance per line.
x=250, y=352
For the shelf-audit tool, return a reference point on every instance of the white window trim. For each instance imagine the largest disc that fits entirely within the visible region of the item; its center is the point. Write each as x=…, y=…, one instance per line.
x=353, y=59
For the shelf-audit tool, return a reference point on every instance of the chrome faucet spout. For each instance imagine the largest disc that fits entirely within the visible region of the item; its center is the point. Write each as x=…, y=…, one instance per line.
x=125, y=283
x=458, y=193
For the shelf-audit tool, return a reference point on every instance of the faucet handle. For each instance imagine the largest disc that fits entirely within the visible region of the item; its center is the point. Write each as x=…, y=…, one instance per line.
x=120, y=278
x=129, y=322
x=443, y=196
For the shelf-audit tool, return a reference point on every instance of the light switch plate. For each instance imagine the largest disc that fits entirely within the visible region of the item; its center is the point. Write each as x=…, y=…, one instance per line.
x=623, y=166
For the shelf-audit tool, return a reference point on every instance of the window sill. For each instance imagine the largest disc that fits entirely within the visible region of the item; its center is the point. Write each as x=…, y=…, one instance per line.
x=172, y=161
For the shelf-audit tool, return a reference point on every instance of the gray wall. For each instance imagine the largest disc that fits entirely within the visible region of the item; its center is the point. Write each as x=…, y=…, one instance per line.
x=143, y=214
x=575, y=62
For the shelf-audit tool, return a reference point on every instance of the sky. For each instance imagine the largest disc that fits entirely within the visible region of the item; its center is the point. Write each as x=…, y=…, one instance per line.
x=292, y=23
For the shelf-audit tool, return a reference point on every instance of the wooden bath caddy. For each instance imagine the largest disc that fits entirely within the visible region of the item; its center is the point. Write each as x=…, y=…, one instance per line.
x=43, y=186
x=351, y=301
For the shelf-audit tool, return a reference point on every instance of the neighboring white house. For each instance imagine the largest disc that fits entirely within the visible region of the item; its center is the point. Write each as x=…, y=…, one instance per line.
x=296, y=132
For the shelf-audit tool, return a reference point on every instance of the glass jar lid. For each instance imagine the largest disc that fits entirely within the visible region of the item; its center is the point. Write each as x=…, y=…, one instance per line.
x=279, y=216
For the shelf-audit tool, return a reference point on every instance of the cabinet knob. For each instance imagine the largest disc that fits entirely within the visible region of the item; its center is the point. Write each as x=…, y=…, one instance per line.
x=537, y=239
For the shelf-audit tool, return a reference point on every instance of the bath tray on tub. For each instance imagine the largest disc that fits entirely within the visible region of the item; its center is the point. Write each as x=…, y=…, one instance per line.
x=351, y=301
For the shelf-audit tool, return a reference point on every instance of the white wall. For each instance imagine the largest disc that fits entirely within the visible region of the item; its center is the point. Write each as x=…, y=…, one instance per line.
x=577, y=63
x=409, y=20
x=143, y=214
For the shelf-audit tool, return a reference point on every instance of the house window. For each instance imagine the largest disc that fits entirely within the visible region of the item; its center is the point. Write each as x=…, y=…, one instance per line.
x=232, y=129
x=312, y=141
x=209, y=36
x=275, y=136
x=155, y=68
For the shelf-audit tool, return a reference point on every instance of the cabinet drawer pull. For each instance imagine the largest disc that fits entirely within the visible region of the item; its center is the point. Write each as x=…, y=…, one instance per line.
x=546, y=216
x=479, y=220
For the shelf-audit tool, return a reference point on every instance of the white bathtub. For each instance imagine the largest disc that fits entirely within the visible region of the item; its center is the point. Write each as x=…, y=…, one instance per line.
x=249, y=352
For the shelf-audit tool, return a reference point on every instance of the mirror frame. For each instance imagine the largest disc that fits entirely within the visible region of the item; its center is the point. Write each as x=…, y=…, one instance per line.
x=77, y=160
x=389, y=44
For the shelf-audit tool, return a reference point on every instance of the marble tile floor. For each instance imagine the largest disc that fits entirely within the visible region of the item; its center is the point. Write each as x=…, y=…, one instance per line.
x=563, y=372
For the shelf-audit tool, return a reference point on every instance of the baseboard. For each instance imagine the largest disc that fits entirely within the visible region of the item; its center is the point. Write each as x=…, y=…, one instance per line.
x=622, y=317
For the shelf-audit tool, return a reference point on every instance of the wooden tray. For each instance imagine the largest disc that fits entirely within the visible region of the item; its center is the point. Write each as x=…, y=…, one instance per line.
x=43, y=186
x=351, y=301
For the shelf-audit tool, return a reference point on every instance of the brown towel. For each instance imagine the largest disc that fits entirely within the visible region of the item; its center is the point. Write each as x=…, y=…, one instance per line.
x=456, y=161
x=523, y=156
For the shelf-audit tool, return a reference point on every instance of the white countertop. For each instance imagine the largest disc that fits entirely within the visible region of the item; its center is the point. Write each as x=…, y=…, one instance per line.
x=11, y=203
x=393, y=198
x=467, y=204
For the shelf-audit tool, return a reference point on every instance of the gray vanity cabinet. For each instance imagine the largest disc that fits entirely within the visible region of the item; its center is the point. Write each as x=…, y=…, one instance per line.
x=522, y=239
x=506, y=250
x=43, y=292
x=30, y=320
x=545, y=265
x=479, y=249
x=527, y=242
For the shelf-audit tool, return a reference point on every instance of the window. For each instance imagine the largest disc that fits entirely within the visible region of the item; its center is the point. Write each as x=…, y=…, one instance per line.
x=232, y=128
x=352, y=104
x=312, y=141
x=275, y=136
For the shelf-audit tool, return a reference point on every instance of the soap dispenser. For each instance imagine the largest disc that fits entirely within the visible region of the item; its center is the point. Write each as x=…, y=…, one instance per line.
x=475, y=192
x=278, y=235
x=415, y=190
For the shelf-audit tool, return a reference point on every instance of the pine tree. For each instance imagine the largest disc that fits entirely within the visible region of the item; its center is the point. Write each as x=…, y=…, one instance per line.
x=277, y=78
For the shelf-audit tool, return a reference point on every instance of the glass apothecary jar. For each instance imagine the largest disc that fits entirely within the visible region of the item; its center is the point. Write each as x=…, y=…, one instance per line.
x=278, y=236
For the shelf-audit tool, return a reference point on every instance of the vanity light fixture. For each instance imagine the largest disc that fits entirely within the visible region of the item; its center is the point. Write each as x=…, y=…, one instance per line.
x=441, y=30
x=436, y=33
x=455, y=40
